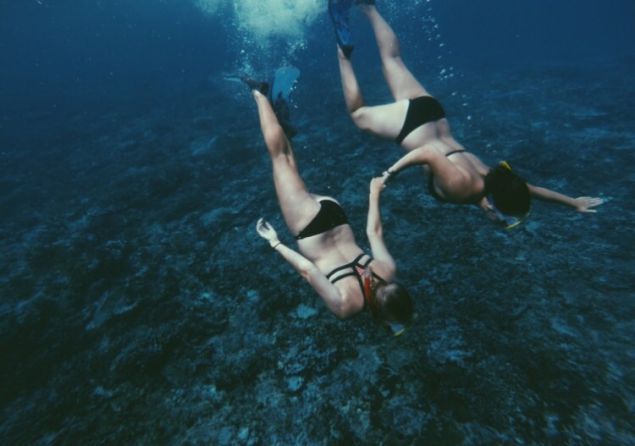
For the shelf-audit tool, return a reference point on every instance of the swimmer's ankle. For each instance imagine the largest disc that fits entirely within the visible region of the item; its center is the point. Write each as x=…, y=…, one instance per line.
x=254, y=85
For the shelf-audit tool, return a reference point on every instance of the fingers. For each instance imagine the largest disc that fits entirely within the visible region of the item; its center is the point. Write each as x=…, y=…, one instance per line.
x=262, y=227
x=586, y=203
x=591, y=201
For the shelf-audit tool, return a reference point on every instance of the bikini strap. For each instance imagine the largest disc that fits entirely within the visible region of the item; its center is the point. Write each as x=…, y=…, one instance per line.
x=366, y=263
x=338, y=269
x=348, y=274
x=346, y=265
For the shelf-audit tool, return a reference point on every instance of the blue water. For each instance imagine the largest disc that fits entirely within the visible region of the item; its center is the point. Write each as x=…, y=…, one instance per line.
x=139, y=306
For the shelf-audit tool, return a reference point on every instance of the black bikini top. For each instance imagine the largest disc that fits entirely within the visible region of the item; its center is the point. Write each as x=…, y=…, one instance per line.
x=350, y=269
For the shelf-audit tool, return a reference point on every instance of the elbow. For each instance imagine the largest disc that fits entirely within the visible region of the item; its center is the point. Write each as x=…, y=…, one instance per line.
x=308, y=270
x=374, y=232
x=425, y=154
x=345, y=310
x=345, y=307
x=343, y=315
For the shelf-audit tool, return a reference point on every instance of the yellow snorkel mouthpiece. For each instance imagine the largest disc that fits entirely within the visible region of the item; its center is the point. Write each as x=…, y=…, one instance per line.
x=395, y=328
x=505, y=165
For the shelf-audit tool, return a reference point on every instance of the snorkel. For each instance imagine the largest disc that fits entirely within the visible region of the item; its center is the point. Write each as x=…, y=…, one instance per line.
x=508, y=222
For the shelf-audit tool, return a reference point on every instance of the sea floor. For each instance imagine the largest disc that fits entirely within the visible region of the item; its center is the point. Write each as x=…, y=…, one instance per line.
x=139, y=306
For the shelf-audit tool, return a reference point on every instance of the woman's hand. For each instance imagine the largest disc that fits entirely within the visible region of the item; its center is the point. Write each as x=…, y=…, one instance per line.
x=387, y=175
x=377, y=185
x=266, y=231
x=584, y=204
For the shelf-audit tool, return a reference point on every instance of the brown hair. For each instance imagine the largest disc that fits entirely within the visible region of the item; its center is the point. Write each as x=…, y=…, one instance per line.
x=395, y=303
x=509, y=191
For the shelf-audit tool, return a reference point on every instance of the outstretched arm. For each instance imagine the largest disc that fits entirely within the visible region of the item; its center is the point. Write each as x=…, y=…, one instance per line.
x=309, y=271
x=375, y=232
x=581, y=204
x=425, y=155
x=420, y=156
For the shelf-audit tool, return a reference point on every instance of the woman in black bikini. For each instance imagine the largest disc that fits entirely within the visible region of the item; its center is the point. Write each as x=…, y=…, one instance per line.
x=329, y=259
x=417, y=122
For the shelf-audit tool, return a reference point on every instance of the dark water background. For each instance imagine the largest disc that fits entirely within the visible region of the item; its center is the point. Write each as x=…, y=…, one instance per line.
x=138, y=305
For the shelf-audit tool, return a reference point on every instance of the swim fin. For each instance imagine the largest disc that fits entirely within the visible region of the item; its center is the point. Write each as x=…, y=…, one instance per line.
x=340, y=11
x=262, y=87
x=283, y=83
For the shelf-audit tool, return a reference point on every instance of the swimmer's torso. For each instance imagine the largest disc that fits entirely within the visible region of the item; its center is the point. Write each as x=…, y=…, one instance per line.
x=438, y=137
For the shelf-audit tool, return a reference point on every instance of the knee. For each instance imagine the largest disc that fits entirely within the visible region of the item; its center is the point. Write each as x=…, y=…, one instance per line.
x=393, y=65
x=274, y=137
x=391, y=52
x=359, y=118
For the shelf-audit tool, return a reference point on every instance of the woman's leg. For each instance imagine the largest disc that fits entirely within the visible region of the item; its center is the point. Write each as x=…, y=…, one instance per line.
x=401, y=82
x=383, y=120
x=297, y=204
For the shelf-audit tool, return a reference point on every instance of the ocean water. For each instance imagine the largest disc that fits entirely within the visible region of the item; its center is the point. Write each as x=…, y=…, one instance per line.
x=139, y=306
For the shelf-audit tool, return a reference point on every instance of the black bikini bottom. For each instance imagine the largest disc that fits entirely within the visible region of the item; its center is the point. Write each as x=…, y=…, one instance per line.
x=421, y=110
x=328, y=217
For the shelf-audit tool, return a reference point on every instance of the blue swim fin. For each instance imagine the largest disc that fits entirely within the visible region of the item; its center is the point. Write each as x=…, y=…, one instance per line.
x=283, y=84
x=340, y=12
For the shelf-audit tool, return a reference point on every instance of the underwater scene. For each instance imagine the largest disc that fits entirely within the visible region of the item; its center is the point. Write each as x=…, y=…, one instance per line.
x=141, y=304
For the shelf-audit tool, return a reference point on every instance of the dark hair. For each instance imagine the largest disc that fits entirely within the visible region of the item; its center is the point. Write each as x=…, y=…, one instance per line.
x=396, y=303
x=509, y=191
